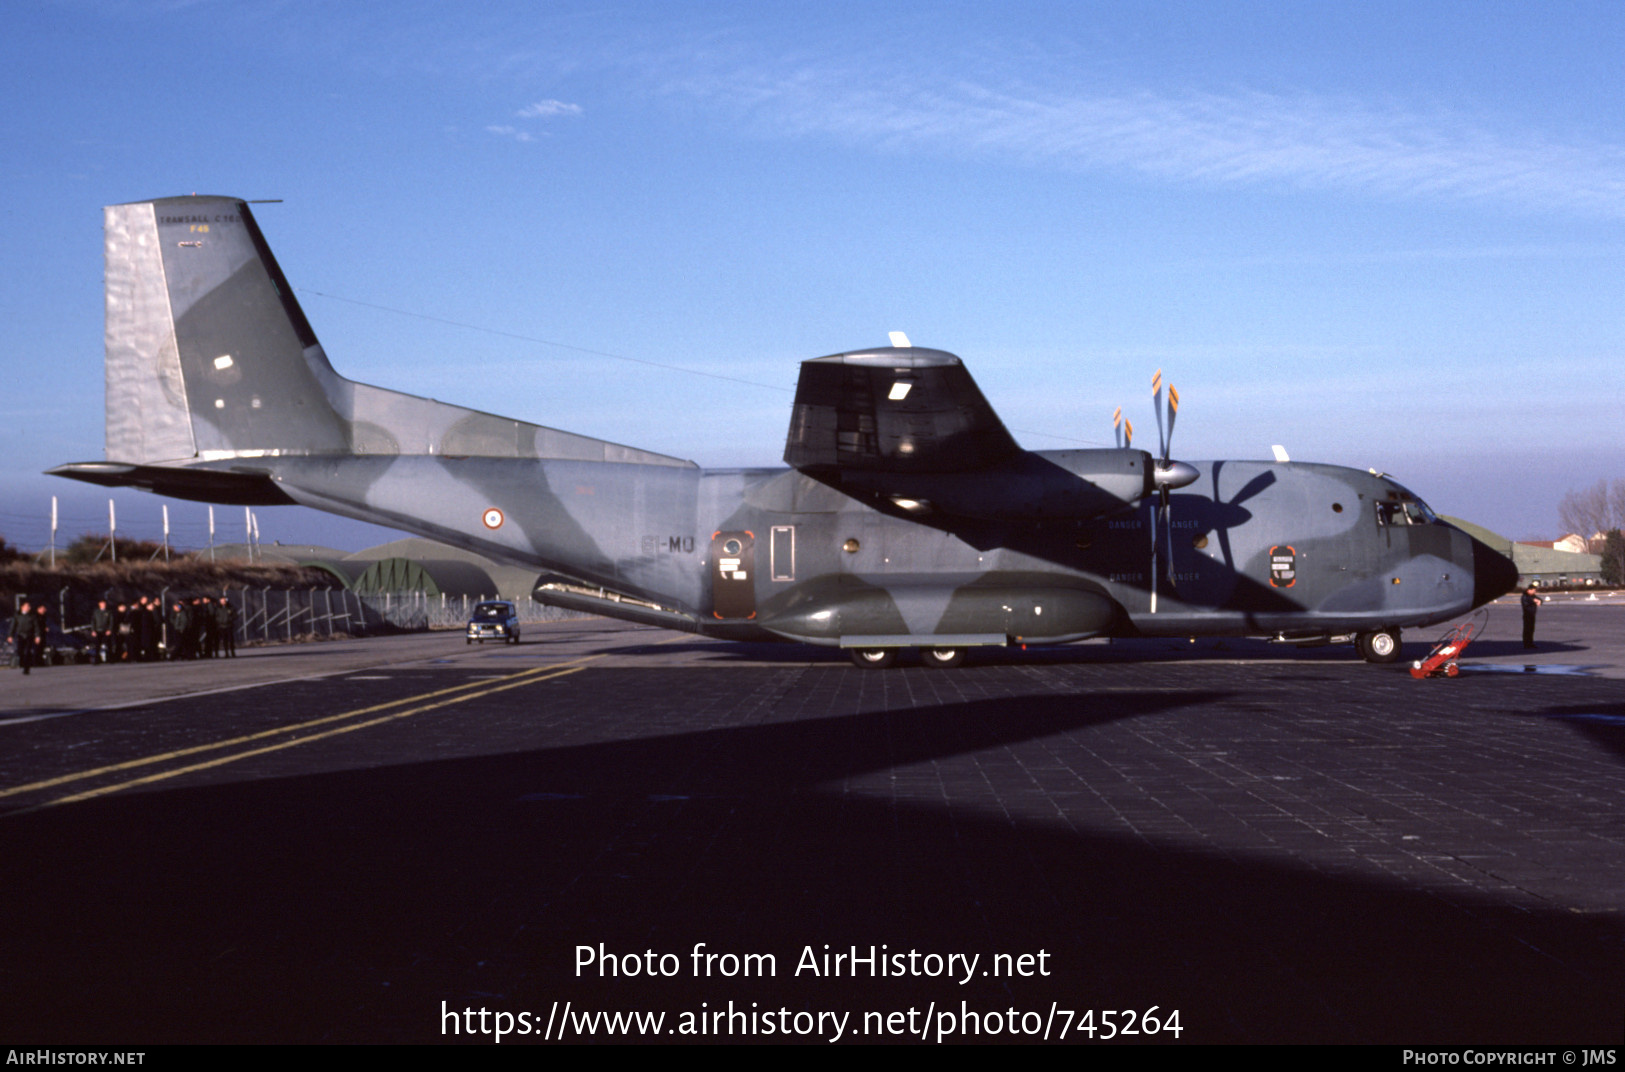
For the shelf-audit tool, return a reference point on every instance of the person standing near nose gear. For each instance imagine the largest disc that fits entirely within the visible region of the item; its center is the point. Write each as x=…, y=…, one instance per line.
x=1530, y=601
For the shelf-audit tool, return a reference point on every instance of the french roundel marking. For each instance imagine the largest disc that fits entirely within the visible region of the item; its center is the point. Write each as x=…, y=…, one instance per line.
x=493, y=518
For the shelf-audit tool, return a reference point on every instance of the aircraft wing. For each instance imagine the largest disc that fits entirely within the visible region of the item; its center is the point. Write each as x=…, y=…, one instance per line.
x=896, y=410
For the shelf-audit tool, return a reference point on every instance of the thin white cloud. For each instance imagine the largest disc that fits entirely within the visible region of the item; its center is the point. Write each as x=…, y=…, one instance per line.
x=544, y=109
x=548, y=109
x=1234, y=138
x=511, y=132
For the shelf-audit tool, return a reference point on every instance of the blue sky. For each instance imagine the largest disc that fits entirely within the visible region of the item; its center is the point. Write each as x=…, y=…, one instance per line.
x=1384, y=235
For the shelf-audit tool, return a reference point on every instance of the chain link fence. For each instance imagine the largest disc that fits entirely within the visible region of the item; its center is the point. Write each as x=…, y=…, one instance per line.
x=273, y=615
x=267, y=614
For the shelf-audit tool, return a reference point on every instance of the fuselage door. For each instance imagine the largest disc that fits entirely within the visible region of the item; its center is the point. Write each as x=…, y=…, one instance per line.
x=782, y=552
x=733, y=575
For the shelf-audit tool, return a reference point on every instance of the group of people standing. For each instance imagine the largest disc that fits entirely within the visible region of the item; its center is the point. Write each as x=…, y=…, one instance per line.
x=197, y=627
x=194, y=628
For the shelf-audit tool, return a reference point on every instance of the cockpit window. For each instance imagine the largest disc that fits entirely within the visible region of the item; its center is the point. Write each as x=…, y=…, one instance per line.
x=1419, y=514
x=1403, y=508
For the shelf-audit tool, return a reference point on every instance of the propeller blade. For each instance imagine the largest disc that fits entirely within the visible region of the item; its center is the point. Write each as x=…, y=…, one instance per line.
x=1169, y=475
x=1156, y=407
x=1173, y=412
x=1168, y=527
x=1117, y=426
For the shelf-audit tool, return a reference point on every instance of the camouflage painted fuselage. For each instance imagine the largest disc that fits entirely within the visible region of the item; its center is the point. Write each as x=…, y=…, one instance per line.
x=909, y=517
x=1257, y=548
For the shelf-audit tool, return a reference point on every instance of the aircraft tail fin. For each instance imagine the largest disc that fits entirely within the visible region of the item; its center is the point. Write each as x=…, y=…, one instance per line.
x=208, y=352
x=210, y=358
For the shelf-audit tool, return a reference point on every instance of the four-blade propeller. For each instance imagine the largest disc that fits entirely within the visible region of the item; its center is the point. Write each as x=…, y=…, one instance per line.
x=1167, y=475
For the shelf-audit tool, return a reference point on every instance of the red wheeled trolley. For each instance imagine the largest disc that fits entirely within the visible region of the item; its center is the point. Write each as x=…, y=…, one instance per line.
x=1441, y=661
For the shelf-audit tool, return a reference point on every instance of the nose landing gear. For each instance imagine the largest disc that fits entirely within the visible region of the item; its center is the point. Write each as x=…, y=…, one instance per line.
x=1379, y=645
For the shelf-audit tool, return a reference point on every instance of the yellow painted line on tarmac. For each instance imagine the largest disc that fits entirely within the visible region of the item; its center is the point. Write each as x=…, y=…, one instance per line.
x=524, y=677
x=223, y=760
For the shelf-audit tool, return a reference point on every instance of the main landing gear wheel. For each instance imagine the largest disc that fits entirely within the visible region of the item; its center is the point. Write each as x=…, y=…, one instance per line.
x=1378, y=646
x=873, y=658
x=942, y=658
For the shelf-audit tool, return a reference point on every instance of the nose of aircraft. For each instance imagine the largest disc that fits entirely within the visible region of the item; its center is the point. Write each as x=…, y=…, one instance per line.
x=1493, y=573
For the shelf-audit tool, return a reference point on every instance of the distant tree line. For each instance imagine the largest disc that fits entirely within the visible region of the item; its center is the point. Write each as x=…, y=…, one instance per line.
x=93, y=547
x=1599, y=509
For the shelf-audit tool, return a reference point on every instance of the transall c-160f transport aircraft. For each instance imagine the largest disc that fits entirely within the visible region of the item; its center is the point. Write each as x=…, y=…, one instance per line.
x=908, y=518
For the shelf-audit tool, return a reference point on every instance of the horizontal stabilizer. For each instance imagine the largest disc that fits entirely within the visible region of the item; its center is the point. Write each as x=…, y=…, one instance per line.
x=196, y=484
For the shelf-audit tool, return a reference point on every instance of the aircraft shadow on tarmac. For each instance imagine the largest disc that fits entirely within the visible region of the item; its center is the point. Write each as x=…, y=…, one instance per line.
x=1602, y=723
x=348, y=905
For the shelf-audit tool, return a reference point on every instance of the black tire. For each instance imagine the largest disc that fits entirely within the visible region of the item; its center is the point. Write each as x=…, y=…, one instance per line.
x=872, y=658
x=1380, y=646
x=942, y=658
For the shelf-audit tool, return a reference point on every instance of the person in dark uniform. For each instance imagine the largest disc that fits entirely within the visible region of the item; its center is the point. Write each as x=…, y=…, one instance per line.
x=180, y=630
x=101, y=633
x=209, y=634
x=146, y=629
x=1530, y=601
x=158, y=641
x=28, y=636
x=42, y=626
x=197, y=642
x=121, y=633
x=225, y=624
